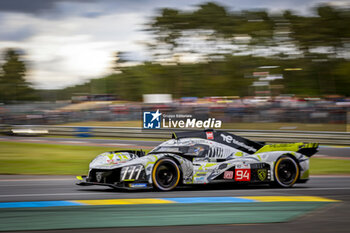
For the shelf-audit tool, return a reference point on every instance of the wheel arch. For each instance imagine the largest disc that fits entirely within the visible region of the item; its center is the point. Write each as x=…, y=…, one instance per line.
x=295, y=159
x=176, y=160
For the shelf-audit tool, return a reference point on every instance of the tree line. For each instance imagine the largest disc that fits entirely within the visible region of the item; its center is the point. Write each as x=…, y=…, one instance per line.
x=311, y=52
x=13, y=85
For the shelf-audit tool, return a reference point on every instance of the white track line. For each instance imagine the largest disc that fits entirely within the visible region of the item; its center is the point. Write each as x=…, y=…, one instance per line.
x=118, y=144
x=31, y=140
x=78, y=142
x=290, y=189
x=336, y=188
x=30, y=185
x=49, y=194
x=58, y=179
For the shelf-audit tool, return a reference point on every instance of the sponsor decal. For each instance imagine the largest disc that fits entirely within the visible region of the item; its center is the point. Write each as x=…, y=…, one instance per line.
x=198, y=174
x=199, y=179
x=262, y=173
x=243, y=166
x=157, y=120
x=228, y=175
x=151, y=120
x=112, y=162
x=138, y=185
x=242, y=175
x=229, y=139
x=210, y=135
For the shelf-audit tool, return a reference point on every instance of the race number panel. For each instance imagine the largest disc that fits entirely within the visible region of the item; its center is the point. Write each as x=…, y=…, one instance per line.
x=242, y=175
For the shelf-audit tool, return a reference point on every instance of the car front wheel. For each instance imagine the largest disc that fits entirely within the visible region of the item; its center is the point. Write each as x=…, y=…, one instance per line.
x=165, y=174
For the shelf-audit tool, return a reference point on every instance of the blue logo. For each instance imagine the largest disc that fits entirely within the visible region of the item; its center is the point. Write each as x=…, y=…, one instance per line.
x=151, y=120
x=138, y=185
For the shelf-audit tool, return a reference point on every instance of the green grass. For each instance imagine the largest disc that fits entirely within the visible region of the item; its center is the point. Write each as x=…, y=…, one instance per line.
x=32, y=158
x=327, y=166
x=250, y=126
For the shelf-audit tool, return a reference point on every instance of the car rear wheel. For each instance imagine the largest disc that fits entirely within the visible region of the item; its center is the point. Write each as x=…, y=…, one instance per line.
x=165, y=174
x=286, y=172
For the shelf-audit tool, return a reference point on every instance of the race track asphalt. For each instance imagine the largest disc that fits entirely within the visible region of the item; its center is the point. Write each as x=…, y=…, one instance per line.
x=333, y=218
x=41, y=188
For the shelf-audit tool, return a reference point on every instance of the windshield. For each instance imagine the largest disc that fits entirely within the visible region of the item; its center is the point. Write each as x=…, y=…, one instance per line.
x=196, y=150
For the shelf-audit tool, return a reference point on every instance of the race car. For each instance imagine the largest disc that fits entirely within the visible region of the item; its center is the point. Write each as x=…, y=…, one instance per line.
x=202, y=157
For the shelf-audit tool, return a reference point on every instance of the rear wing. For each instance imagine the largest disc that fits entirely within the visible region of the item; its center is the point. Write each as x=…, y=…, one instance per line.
x=307, y=149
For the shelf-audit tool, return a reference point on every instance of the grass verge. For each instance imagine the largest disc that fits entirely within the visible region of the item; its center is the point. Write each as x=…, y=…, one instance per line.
x=329, y=166
x=30, y=158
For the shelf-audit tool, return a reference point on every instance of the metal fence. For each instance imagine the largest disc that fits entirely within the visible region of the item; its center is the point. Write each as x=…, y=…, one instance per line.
x=270, y=136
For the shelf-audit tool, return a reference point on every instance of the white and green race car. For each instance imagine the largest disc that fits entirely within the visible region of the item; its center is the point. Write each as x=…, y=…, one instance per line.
x=202, y=157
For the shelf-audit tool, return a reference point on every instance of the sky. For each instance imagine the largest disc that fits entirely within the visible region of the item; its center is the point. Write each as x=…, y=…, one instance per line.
x=67, y=42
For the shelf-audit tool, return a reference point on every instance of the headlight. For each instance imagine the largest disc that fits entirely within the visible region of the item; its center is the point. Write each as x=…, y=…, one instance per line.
x=131, y=173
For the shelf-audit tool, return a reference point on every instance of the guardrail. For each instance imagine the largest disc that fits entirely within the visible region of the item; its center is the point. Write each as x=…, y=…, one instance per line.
x=271, y=136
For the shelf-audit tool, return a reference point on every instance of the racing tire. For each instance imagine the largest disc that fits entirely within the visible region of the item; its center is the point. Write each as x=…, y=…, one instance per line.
x=286, y=172
x=166, y=174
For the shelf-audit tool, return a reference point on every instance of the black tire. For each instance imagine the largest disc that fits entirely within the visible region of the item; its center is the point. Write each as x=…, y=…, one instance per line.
x=286, y=172
x=166, y=174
